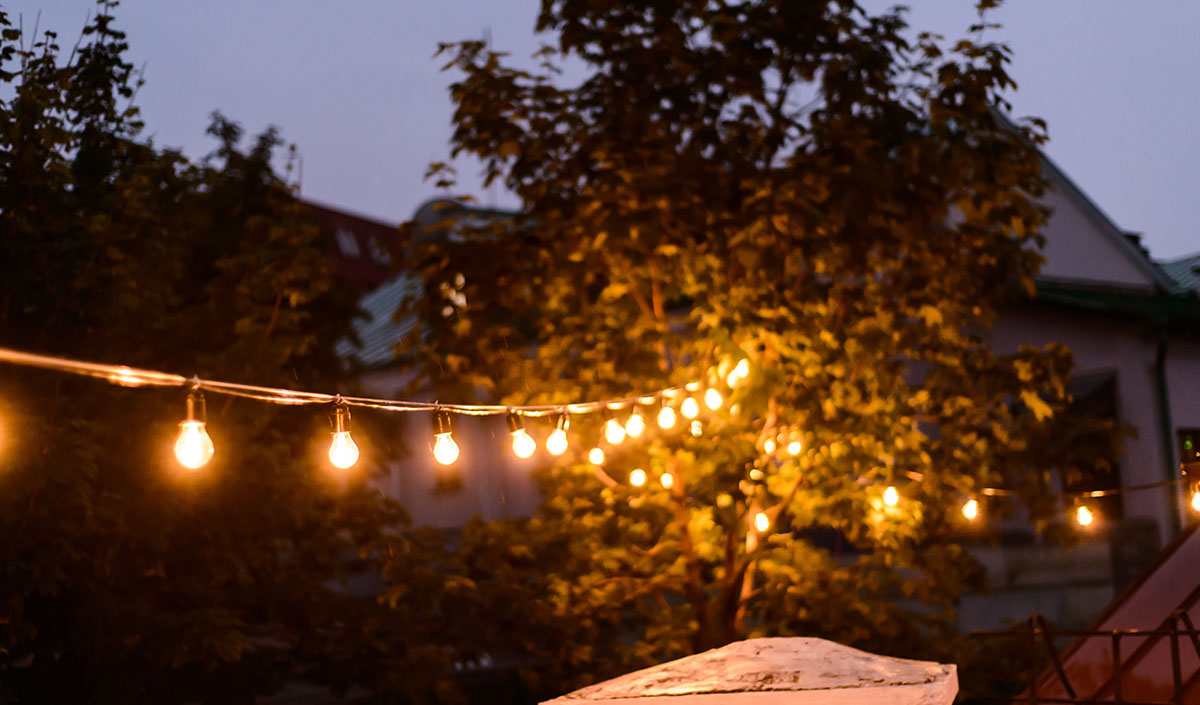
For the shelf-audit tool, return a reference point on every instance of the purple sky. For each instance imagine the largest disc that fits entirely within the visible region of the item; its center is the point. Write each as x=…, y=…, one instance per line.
x=353, y=84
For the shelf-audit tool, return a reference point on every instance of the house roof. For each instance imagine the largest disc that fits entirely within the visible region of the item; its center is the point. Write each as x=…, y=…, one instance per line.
x=378, y=331
x=1185, y=271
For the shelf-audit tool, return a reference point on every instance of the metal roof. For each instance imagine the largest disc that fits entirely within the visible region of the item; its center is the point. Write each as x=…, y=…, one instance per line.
x=378, y=331
x=1185, y=271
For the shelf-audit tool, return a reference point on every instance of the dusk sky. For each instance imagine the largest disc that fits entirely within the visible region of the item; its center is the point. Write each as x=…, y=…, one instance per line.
x=355, y=86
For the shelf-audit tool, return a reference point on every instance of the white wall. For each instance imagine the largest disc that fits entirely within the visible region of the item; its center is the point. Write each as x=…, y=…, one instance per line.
x=1100, y=344
x=495, y=484
x=1077, y=250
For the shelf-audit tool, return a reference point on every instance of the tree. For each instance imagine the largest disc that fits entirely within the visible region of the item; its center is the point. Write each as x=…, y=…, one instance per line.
x=124, y=579
x=792, y=184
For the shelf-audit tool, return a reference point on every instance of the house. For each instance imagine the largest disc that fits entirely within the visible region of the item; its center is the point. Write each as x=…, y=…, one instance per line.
x=1134, y=329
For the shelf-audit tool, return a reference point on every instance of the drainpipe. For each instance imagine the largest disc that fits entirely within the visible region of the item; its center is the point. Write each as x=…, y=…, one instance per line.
x=1166, y=426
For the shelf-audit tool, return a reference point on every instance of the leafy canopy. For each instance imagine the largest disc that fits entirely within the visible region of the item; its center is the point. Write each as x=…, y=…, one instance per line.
x=125, y=579
x=796, y=184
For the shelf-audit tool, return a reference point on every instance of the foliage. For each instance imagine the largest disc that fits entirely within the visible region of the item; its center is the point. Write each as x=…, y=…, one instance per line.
x=795, y=184
x=124, y=578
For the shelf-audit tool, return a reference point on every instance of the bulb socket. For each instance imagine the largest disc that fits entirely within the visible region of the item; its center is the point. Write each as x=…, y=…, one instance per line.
x=441, y=421
x=341, y=417
x=514, y=422
x=197, y=410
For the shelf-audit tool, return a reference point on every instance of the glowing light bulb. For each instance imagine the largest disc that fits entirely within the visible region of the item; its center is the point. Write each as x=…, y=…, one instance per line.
x=445, y=450
x=523, y=444
x=769, y=445
x=596, y=456
x=794, y=447
x=1196, y=501
x=690, y=408
x=635, y=425
x=666, y=418
x=614, y=432
x=667, y=480
x=343, y=452
x=739, y=373
x=761, y=521
x=556, y=444
x=1084, y=516
x=697, y=429
x=890, y=496
x=970, y=510
x=193, y=446
x=712, y=399
x=637, y=478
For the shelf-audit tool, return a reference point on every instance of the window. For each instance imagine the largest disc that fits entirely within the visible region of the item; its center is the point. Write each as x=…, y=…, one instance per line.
x=1189, y=451
x=347, y=243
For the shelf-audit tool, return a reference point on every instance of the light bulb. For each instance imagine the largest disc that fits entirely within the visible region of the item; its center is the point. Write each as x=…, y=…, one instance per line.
x=556, y=444
x=761, y=521
x=769, y=445
x=445, y=450
x=523, y=444
x=970, y=510
x=740, y=372
x=614, y=432
x=637, y=478
x=666, y=418
x=596, y=456
x=890, y=496
x=667, y=480
x=712, y=399
x=1196, y=501
x=193, y=446
x=343, y=452
x=1084, y=516
x=635, y=425
x=690, y=408
x=794, y=447
x=697, y=429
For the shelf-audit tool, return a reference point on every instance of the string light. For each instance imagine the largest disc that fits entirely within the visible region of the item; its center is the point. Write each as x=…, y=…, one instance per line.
x=667, y=480
x=712, y=399
x=343, y=451
x=666, y=417
x=556, y=444
x=614, y=432
x=445, y=450
x=1196, y=500
x=522, y=443
x=635, y=425
x=761, y=521
x=697, y=429
x=690, y=408
x=193, y=446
